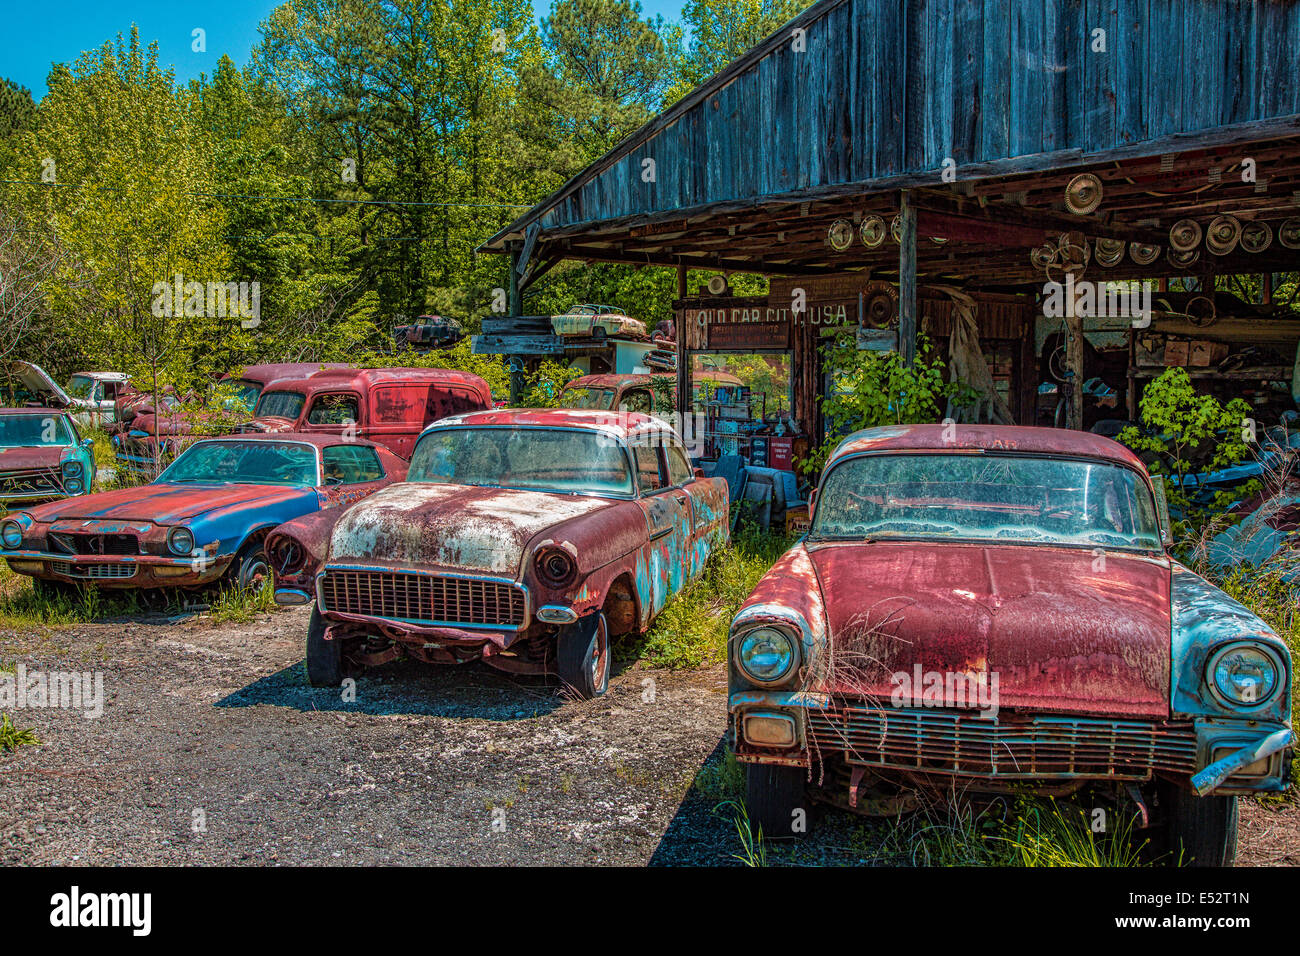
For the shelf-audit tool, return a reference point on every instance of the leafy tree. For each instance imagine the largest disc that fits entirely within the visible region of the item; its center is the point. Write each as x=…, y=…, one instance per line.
x=876, y=388
x=131, y=201
x=606, y=70
x=722, y=30
x=1184, y=431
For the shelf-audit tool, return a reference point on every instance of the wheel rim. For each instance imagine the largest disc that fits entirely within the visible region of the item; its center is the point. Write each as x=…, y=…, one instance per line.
x=599, y=662
x=253, y=574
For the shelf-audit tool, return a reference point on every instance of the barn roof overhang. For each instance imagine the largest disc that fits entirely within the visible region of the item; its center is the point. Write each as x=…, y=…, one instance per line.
x=998, y=205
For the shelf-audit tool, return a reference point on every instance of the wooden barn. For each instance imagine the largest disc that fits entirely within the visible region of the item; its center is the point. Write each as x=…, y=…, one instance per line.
x=908, y=165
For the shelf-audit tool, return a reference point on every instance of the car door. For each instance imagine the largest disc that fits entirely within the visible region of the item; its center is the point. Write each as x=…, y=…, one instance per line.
x=668, y=524
x=350, y=472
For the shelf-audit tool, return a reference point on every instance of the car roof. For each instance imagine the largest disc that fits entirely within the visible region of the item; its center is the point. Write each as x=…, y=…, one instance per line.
x=274, y=370
x=34, y=410
x=619, y=424
x=105, y=376
x=320, y=441
x=1026, y=439
x=335, y=377
x=614, y=380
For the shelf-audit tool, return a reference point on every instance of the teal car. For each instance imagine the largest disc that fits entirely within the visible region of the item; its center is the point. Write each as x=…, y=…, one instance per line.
x=43, y=456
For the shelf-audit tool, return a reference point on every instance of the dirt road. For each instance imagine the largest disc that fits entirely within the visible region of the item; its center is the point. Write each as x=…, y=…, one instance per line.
x=212, y=748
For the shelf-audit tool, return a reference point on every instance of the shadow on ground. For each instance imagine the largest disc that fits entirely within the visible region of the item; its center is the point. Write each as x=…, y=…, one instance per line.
x=409, y=688
x=706, y=829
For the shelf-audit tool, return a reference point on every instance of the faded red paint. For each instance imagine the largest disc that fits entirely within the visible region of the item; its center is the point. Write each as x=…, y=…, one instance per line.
x=1061, y=635
x=393, y=404
x=622, y=564
x=1025, y=440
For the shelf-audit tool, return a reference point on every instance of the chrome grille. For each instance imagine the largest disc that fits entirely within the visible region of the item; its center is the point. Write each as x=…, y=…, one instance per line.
x=1009, y=746
x=70, y=542
x=93, y=571
x=425, y=598
x=32, y=481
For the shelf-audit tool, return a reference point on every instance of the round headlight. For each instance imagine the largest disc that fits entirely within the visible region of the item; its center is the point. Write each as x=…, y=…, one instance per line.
x=766, y=654
x=1243, y=675
x=555, y=567
x=72, y=486
x=11, y=533
x=180, y=541
x=72, y=468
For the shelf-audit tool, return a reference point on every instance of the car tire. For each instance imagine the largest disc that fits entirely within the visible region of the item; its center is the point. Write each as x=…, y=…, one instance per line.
x=324, y=658
x=56, y=590
x=1201, y=831
x=251, y=568
x=775, y=799
x=583, y=656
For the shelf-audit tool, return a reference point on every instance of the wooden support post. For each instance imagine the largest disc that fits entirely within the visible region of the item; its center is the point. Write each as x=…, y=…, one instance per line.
x=1074, y=359
x=515, y=307
x=683, y=357
x=907, y=281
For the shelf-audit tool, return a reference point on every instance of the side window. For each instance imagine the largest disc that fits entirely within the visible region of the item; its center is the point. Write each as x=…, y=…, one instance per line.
x=333, y=409
x=350, y=464
x=647, y=468
x=636, y=400
x=110, y=391
x=679, y=469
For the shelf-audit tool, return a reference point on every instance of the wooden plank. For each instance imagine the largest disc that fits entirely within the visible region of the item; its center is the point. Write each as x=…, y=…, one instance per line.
x=1098, y=100
x=995, y=113
x=907, y=281
x=967, y=106
x=1028, y=86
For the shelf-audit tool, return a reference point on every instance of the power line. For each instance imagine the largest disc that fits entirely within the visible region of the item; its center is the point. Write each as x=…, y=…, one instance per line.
x=357, y=202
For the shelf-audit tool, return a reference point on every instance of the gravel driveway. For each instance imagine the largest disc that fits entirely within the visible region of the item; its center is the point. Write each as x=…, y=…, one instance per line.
x=212, y=748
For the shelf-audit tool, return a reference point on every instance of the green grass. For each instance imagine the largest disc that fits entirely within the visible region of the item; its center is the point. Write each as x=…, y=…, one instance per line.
x=23, y=609
x=11, y=737
x=692, y=628
x=241, y=605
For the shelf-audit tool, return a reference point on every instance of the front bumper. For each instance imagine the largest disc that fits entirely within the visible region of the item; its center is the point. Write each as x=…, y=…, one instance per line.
x=117, y=571
x=1211, y=755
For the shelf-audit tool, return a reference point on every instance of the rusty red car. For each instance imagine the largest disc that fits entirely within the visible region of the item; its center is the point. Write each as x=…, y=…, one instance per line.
x=524, y=538
x=988, y=610
x=388, y=405
x=203, y=520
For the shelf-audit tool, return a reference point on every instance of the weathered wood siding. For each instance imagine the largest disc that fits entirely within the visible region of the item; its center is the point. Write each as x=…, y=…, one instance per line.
x=895, y=87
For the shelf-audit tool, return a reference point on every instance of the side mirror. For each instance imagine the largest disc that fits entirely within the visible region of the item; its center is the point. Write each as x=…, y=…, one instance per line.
x=87, y=443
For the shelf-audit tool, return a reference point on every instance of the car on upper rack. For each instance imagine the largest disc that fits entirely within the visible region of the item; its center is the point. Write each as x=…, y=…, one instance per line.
x=992, y=610
x=203, y=520
x=526, y=538
x=598, y=322
x=42, y=455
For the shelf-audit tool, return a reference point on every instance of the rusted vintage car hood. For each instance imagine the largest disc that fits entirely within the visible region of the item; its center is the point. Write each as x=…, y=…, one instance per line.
x=27, y=457
x=164, y=504
x=1062, y=630
x=487, y=530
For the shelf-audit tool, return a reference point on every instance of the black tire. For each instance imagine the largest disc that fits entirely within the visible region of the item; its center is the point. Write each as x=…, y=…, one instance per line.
x=56, y=590
x=324, y=658
x=583, y=656
x=1201, y=831
x=776, y=800
x=250, y=569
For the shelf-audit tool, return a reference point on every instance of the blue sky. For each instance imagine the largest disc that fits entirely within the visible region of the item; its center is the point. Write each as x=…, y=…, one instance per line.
x=37, y=35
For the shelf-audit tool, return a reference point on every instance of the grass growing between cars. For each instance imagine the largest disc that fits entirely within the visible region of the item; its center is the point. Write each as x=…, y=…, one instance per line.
x=692, y=630
x=11, y=737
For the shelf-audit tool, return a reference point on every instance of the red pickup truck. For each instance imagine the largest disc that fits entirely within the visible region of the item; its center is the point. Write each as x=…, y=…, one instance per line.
x=389, y=406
